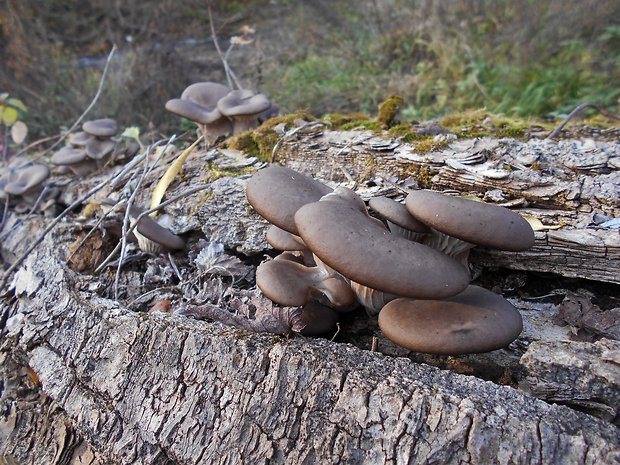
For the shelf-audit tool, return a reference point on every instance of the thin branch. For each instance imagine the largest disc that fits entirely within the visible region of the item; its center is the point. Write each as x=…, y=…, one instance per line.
x=57, y=220
x=145, y=213
x=147, y=170
x=230, y=75
x=88, y=108
x=35, y=143
x=576, y=112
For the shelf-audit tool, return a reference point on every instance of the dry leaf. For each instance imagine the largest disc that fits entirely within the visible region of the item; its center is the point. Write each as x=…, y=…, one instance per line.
x=170, y=174
x=537, y=225
x=19, y=131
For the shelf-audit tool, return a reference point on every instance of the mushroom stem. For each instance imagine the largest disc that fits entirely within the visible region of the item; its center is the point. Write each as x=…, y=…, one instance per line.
x=242, y=123
x=371, y=299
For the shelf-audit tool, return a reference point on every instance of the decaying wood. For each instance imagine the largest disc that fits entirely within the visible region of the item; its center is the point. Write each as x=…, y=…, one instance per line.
x=580, y=374
x=162, y=388
x=562, y=183
x=155, y=389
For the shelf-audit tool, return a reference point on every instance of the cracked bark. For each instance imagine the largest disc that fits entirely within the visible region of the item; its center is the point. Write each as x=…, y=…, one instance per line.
x=159, y=389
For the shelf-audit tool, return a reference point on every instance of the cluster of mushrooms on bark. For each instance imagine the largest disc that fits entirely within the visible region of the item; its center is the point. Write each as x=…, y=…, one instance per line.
x=408, y=263
x=413, y=272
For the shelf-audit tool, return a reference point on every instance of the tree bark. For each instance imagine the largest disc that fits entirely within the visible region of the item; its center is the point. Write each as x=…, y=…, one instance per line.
x=141, y=388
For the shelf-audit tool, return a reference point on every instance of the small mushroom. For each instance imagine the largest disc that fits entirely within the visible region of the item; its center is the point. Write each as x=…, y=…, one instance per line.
x=398, y=218
x=287, y=282
x=97, y=148
x=198, y=103
x=348, y=241
x=105, y=127
x=282, y=240
x=243, y=107
x=152, y=237
x=27, y=182
x=475, y=320
x=75, y=159
x=317, y=319
x=80, y=139
x=277, y=192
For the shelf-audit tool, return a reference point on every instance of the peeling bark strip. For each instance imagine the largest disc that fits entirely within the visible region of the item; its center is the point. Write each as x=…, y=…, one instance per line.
x=162, y=389
x=565, y=182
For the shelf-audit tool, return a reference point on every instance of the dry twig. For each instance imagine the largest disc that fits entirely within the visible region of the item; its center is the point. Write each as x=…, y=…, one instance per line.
x=576, y=112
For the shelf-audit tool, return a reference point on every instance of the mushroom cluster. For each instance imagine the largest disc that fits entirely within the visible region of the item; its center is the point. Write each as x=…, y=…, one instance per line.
x=219, y=111
x=22, y=183
x=414, y=274
x=88, y=149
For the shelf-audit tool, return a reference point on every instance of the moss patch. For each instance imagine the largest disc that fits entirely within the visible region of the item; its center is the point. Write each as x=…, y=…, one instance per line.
x=388, y=110
x=260, y=142
x=337, y=120
x=481, y=123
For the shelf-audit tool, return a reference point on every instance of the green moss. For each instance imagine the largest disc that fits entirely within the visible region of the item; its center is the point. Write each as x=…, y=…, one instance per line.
x=260, y=142
x=422, y=175
x=481, y=123
x=388, y=110
x=367, y=124
x=245, y=143
x=337, y=120
x=429, y=145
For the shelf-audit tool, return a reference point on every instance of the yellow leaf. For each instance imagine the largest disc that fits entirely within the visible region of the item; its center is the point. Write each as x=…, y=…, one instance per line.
x=169, y=175
x=538, y=225
x=19, y=131
x=9, y=116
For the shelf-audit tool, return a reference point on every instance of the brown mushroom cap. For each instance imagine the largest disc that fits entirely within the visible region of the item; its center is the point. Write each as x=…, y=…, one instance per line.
x=280, y=239
x=289, y=283
x=317, y=319
x=98, y=148
x=105, y=127
x=475, y=222
x=26, y=179
x=152, y=230
x=348, y=241
x=476, y=320
x=277, y=192
x=80, y=138
x=205, y=94
x=243, y=102
x=396, y=212
x=68, y=156
x=193, y=111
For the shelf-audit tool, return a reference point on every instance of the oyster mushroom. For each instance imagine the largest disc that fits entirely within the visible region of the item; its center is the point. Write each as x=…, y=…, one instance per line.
x=277, y=192
x=152, y=236
x=287, y=282
x=243, y=107
x=74, y=159
x=398, y=218
x=363, y=251
x=198, y=103
x=475, y=320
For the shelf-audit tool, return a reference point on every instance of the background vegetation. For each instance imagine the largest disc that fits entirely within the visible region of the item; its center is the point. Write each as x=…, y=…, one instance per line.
x=517, y=57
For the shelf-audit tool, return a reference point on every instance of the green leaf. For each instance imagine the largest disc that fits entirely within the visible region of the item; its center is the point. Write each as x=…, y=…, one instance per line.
x=9, y=116
x=17, y=103
x=132, y=133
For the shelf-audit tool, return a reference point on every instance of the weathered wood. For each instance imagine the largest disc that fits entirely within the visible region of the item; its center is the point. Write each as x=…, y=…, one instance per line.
x=580, y=374
x=162, y=389
x=573, y=179
x=159, y=389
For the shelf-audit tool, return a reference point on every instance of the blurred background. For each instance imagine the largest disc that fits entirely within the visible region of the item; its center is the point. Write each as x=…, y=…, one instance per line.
x=517, y=57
